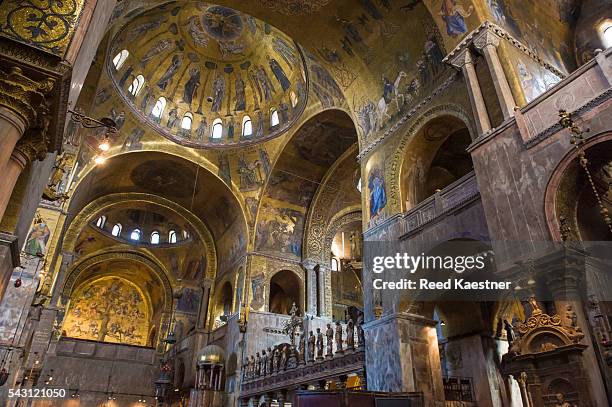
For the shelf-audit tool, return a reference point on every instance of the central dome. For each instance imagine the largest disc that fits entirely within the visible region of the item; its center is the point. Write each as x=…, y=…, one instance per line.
x=207, y=75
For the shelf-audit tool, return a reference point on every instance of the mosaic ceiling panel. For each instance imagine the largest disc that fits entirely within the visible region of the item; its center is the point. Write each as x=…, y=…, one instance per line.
x=209, y=65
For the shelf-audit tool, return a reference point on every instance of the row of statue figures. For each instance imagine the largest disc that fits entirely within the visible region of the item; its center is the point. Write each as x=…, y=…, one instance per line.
x=313, y=348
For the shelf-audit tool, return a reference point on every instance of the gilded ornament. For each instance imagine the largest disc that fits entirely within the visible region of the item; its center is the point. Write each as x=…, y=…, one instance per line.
x=45, y=24
x=23, y=95
x=295, y=7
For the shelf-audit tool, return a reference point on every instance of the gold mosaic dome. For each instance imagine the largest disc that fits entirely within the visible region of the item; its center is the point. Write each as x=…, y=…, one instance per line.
x=205, y=75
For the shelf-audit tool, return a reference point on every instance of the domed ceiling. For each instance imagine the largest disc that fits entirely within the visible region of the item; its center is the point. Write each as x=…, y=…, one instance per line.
x=204, y=64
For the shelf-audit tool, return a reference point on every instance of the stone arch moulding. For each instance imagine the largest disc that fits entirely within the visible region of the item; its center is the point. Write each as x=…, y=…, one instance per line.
x=339, y=221
x=554, y=182
x=317, y=220
x=394, y=171
x=107, y=201
x=160, y=272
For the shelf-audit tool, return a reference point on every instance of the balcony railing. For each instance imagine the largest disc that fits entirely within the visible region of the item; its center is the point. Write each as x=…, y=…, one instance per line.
x=454, y=196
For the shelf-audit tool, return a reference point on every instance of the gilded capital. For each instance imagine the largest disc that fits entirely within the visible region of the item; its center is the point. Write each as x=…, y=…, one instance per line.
x=35, y=141
x=23, y=95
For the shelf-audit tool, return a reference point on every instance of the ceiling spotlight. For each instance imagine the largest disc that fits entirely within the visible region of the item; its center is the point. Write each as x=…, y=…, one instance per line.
x=99, y=160
x=531, y=281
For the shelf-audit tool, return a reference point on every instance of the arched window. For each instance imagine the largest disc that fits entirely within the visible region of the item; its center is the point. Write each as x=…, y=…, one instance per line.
x=120, y=59
x=359, y=185
x=334, y=264
x=187, y=121
x=294, y=99
x=274, y=120
x=185, y=235
x=101, y=221
x=172, y=236
x=247, y=126
x=116, y=229
x=155, y=237
x=136, y=85
x=135, y=235
x=217, y=129
x=159, y=107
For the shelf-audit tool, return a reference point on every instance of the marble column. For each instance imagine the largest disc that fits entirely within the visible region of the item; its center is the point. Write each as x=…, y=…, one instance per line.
x=12, y=127
x=402, y=355
x=311, y=287
x=204, y=304
x=487, y=42
x=465, y=61
x=12, y=169
x=20, y=102
x=24, y=121
x=522, y=381
x=324, y=289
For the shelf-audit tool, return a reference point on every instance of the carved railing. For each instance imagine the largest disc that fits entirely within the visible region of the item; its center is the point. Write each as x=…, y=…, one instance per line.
x=304, y=374
x=464, y=190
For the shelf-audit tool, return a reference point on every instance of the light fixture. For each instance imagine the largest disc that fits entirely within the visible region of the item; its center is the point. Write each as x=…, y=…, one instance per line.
x=104, y=144
x=442, y=323
x=99, y=160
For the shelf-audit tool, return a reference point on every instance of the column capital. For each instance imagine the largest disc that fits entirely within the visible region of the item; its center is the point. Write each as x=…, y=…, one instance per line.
x=310, y=264
x=462, y=58
x=207, y=283
x=34, y=143
x=23, y=95
x=487, y=37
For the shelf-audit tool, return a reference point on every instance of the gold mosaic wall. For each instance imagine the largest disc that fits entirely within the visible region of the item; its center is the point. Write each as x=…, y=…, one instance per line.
x=109, y=310
x=45, y=24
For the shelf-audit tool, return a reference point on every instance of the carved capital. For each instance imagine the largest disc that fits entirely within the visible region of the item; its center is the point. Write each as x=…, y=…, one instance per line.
x=23, y=95
x=487, y=38
x=34, y=144
x=464, y=57
x=310, y=264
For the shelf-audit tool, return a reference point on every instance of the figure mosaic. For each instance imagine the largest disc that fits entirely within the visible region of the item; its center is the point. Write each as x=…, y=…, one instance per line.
x=454, y=14
x=166, y=78
x=280, y=75
x=218, y=91
x=191, y=86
